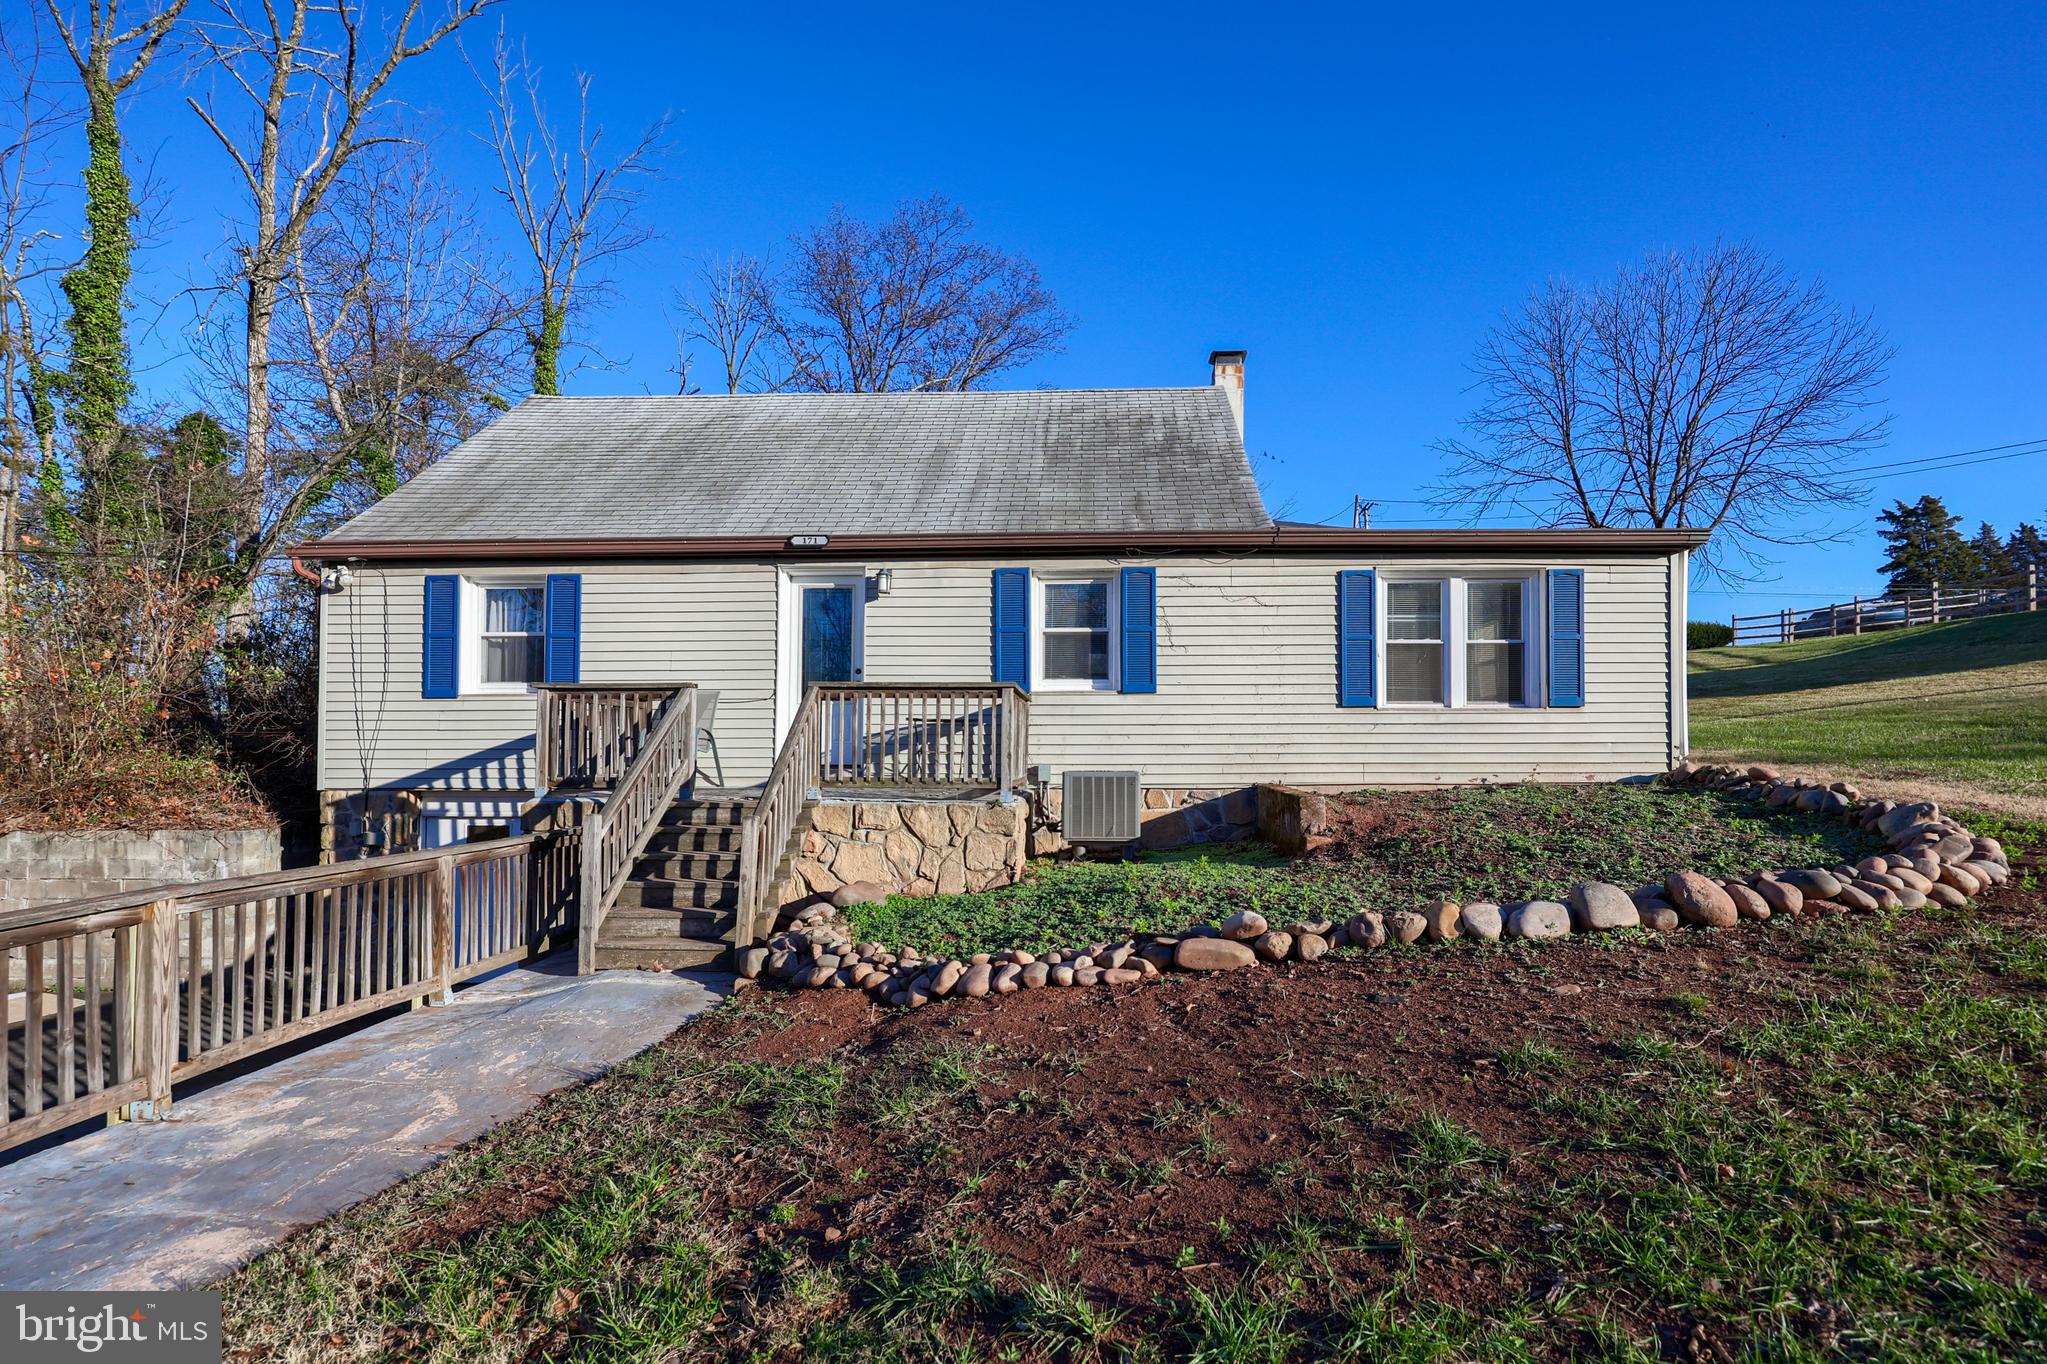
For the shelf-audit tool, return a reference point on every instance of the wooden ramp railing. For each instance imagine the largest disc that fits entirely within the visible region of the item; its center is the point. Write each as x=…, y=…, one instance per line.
x=113, y=1000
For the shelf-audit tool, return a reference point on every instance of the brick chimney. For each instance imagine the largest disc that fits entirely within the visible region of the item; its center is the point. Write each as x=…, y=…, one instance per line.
x=1228, y=368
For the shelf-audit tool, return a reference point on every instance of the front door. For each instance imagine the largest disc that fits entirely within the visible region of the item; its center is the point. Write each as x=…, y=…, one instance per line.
x=830, y=615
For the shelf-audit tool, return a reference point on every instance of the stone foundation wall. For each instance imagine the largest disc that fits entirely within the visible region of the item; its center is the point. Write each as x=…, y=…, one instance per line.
x=909, y=848
x=396, y=813
x=40, y=868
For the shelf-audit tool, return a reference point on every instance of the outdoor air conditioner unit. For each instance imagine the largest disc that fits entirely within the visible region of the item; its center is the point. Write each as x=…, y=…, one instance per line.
x=1099, y=807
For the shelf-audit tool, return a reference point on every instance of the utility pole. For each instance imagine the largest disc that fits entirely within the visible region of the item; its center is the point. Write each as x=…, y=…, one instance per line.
x=1360, y=513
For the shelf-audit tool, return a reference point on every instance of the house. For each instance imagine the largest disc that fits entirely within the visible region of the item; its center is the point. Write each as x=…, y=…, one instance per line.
x=1106, y=552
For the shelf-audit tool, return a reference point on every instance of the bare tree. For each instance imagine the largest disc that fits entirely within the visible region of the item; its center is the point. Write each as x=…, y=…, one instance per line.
x=314, y=76
x=400, y=335
x=33, y=114
x=914, y=302
x=732, y=311
x=575, y=207
x=1709, y=389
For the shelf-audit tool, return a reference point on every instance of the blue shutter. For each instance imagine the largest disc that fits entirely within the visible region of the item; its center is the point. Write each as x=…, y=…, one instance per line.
x=1140, y=630
x=564, y=628
x=1011, y=618
x=1566, y=667
x=438, y=675
x=1357, y=664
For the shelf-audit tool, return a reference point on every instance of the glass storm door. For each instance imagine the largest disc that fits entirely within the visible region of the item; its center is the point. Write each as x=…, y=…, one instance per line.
x=830, y=614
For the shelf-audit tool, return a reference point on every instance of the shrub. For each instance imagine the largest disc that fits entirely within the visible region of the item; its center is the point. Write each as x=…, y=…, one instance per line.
x=1707, y=634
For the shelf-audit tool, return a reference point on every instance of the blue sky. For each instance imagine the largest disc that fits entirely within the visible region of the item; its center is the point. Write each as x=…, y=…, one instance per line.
x=1352, y=195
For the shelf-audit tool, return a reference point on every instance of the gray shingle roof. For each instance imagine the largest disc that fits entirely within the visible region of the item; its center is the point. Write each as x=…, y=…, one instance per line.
x=1090, y=461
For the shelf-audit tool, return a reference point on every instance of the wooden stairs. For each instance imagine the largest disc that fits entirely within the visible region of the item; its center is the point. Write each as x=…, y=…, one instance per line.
x=680, y=906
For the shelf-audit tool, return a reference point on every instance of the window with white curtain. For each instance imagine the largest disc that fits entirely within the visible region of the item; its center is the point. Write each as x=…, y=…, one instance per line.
x=513, y=636
x=1495, y=645
x=1414, y=643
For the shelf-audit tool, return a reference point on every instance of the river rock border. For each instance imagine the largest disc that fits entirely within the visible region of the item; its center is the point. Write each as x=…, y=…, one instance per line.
x=1929, y=857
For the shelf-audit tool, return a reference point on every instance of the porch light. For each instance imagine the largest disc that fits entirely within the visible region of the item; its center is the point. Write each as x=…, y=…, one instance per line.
x=884, y=579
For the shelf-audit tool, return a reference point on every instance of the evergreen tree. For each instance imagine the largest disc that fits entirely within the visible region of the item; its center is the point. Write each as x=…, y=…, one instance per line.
x=1925, y=546
x=2027, y=549
x=1993, y=560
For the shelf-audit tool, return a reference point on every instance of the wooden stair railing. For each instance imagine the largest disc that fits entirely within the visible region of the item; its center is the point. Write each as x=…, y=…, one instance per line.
x=852, y=735
x=616, y=832
x=766, y=830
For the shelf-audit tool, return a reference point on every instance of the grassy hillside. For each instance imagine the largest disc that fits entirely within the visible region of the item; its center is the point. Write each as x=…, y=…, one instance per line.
x=1961, y=705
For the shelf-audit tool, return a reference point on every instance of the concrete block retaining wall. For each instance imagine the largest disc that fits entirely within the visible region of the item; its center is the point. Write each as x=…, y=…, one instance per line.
x=40, y=868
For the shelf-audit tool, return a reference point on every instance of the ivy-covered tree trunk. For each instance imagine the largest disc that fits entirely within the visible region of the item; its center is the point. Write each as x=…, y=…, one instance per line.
x=546, y=343
x=97, y=384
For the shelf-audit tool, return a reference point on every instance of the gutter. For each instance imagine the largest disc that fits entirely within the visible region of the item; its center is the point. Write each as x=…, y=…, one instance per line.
x=1289, y=539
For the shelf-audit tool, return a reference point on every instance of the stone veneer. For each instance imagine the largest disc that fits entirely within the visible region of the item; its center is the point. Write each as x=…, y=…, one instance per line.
x=41, y=868
x=909, y=847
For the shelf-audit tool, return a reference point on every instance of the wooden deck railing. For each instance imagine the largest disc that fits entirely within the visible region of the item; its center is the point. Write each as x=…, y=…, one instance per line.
x=967, y=735
x=616, y=833
x=113, y=1000
x=970, y=736
x=1921, y=606
x=588, y=734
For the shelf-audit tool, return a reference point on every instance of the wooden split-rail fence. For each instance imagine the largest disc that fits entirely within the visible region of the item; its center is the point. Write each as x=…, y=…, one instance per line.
x=1930, y=605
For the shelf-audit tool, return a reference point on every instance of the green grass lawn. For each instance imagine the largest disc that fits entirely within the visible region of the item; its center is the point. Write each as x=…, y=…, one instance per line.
x=1399, y=850
x=1964, y=704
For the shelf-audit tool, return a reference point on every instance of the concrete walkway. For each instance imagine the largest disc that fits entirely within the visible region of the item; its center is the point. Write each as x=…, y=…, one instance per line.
x=177, y=1204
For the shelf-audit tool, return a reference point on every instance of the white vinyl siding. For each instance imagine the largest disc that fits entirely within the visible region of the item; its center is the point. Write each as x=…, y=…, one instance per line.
x=1247, y=676
x=1246, y=673
x=712, y=624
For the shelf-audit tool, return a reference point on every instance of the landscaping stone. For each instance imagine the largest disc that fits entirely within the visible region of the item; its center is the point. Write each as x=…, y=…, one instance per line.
x=1034, y=976
x=1811, y=882
x=1538, y=919
x=1403, y=927
x=975, y=983
x=1749, y=904
x=1657, y=914
x=1310, y=946
x=946, y=977
x=859, y=893
x=1062, y=975
x=1121, y=975
x=1699, y=900
x=1212, y=954
x=1441, y=921
x=1481, y=921
x=753, y=961
x=1946, y=895
x=1597, y=906
x=1244, y=925
x=1365, y=929
x=1273, y=946
x=1782, y=898
x=1853, y=897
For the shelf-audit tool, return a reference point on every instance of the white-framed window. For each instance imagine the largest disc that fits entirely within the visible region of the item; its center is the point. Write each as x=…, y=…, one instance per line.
x=1459, y=640
x=1076, y=628
x=1415, y=675
x=1496, y=641
x=507, y=644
